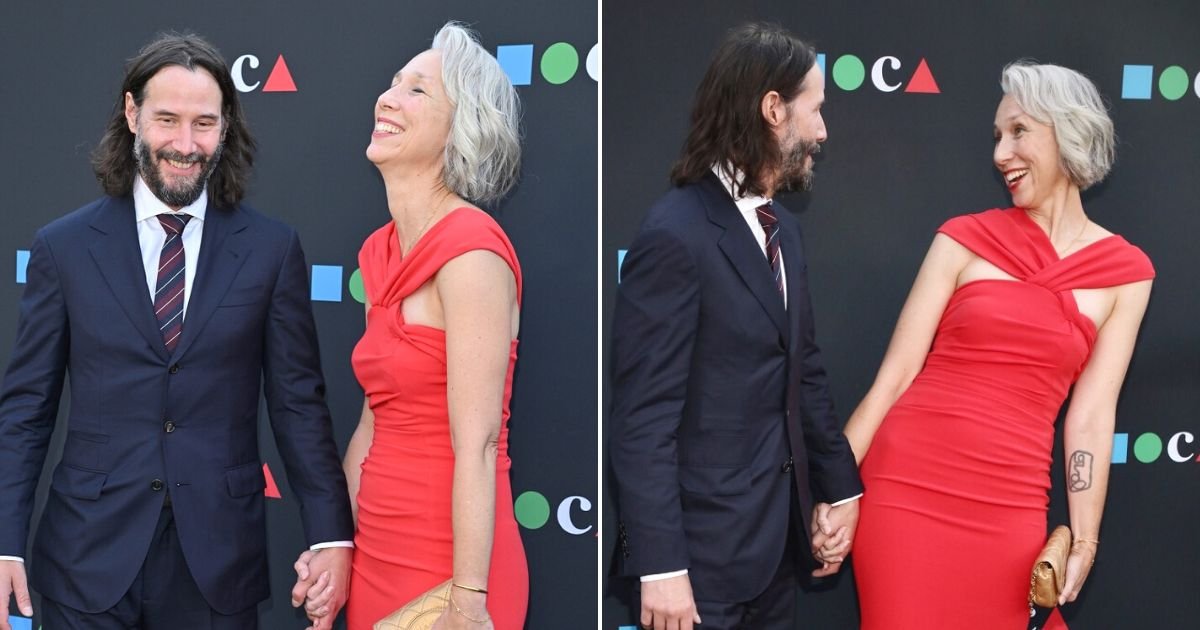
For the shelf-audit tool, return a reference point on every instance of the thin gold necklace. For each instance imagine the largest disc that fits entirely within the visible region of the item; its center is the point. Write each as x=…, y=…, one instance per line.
x=1074, y=240
x=416, y=237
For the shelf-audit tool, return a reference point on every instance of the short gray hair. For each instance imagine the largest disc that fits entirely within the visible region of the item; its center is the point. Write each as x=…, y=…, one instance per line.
x=483, y=152
x=1070, y=103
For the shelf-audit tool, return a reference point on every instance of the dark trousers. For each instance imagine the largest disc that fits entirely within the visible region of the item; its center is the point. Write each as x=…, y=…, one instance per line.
x=163, y=597
x=773, y=609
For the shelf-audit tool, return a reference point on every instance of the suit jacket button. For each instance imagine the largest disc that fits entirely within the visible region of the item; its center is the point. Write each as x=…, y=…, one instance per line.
x=156, y=485
x=787, y=468
x=174, y=368
x=169, y=426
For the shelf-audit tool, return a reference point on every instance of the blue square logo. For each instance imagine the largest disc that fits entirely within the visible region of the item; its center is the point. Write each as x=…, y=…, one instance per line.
x=22, y=264
x=326, y=283
x=620, y=261
x=1136, y=82
x=1120, y=452
x=20, y=623
x=517, y=61
x=821, y=62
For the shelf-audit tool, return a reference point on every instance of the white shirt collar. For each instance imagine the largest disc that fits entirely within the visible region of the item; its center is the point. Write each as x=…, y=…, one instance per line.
x=747, y=203
x=147, y=206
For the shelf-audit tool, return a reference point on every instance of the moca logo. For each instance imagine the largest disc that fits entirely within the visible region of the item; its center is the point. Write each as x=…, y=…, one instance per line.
x=887, y=74
x=532, y=511
x=1137, y=83
x=1148, y=447
x=279, y=80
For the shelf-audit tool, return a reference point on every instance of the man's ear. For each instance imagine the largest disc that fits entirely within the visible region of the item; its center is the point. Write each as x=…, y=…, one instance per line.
x=773, y=109
x=131, y=110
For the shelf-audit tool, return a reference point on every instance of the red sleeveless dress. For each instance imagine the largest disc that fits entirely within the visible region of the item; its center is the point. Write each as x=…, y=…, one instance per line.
x=404, y=541
x=957, y=476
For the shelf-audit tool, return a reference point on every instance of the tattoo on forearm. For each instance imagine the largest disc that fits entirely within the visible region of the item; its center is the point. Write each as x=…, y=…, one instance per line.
x=1080, y=477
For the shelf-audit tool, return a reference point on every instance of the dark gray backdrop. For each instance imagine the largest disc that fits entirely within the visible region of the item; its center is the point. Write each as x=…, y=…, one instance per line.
x=62, y=67
x=895, y=167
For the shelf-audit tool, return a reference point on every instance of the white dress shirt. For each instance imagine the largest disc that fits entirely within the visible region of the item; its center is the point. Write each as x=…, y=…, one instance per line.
x=152, y=235
x=748, y=206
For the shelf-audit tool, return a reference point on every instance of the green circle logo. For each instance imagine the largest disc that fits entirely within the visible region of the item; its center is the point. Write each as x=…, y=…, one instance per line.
x=356, y=287
x=849, y=72
x=559, y=63
x=531, y=509
x=1147, y=448
x=1173, y=83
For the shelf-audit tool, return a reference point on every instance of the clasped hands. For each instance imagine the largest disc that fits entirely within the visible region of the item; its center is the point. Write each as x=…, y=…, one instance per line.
x=322, y=585
x=833, y=535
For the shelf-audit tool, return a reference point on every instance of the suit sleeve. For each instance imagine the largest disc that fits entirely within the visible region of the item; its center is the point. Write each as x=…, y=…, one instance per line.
x=30, y=396
x=653, y=330
x=833, y=473
x=295, y=393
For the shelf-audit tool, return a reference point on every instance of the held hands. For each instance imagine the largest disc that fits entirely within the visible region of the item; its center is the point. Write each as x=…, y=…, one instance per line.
x=833, y=535
x=668, y=604
x=322, y=585
x=12, y=582
x=1079, y=565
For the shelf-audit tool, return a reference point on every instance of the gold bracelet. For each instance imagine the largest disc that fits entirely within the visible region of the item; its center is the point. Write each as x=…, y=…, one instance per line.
x=465, y=615
x=469, y=588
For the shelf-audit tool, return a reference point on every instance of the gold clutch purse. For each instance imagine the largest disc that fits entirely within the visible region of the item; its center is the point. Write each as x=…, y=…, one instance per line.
x=1050, y=570
x=421, y=612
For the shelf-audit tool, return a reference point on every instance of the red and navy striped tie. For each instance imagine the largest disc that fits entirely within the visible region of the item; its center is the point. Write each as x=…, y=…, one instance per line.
x=770, y=225
x=168, y=297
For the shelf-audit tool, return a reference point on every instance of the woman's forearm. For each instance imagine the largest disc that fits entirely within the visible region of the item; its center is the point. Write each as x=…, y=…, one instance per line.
x=1087, y=443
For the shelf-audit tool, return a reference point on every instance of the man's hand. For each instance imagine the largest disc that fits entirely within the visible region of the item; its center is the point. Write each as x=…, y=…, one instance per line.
x=833, y=535
x=12, y=582
x=322, y=584
x=668, y=604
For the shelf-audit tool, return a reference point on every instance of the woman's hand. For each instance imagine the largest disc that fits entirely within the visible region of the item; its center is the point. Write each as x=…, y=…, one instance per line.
x=1079, y=565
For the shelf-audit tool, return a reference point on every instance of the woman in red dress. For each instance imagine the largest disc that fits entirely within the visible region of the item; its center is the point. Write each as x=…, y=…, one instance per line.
x=428, y=464
x=1010, y=309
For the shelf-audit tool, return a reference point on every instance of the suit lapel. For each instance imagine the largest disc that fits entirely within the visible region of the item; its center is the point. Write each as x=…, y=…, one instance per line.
x=117, y=255
x=794, y=264
x=737, y=243
x=221, y=257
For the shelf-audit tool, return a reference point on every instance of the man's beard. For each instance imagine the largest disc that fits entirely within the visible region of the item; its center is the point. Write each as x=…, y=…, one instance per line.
x=794, y=171
x=184, y=194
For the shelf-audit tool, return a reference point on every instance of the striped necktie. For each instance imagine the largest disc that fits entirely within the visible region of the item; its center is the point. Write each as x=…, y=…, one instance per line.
x=770, y=225
x=168, y=297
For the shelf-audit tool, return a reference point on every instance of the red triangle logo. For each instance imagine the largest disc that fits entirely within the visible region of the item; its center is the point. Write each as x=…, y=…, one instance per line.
x=272, y=491
x=921, y=82
x=280, y=79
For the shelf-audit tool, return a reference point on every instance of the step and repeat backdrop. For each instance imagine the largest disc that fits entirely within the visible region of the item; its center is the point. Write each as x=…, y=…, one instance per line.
x=911, y=92
x=309, y=73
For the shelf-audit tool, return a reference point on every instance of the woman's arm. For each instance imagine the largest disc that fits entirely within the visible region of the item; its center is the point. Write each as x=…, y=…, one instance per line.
x=356, y=452
x=1088, y=429
x=905, y=356
x=478, y=296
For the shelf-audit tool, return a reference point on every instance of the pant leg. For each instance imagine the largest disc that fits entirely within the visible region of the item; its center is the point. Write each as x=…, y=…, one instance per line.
x=171, y=600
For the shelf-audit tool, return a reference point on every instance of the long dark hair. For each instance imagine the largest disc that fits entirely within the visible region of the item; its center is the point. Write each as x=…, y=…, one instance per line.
x=728, y=128
x=113, y=160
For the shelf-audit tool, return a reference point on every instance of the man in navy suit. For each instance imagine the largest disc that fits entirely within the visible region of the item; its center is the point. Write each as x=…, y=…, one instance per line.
x=171, y=306
x=723, y=433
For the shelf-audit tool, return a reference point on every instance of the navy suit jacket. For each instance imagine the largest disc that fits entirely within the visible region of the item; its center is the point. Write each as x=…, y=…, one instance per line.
x=143, y=421
x=720, y=403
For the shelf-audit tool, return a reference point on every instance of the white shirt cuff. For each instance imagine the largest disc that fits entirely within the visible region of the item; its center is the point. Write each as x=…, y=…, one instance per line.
x=654, y=577
x=13, y=558
x=845, y=501
x=333, y=544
